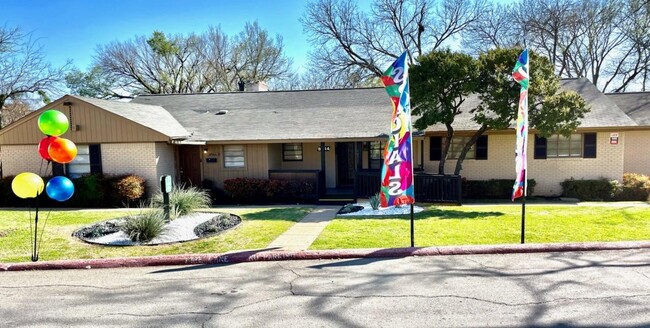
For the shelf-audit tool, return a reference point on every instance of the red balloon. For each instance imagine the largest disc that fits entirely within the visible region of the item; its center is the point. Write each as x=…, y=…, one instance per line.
x=43, y=146
x=62, y=150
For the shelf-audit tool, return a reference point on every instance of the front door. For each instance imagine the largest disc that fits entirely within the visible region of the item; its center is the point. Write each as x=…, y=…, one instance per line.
x=189, y=160
x=345, y=164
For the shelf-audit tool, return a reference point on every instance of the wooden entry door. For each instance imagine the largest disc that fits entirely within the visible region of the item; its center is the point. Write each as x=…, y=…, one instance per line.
x=345, y=164
x=189, y=160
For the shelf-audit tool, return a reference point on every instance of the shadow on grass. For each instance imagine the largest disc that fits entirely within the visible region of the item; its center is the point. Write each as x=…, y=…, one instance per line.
x=278, y=214
x=439, y=213
x=453, y=214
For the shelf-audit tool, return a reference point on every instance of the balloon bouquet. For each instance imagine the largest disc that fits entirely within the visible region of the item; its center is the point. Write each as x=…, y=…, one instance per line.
x=28, y=185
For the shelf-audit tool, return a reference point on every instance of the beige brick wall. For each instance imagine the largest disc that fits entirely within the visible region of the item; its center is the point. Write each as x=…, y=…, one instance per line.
x=132, y=158
x=165, y=162
x=548, y=173
x=637, y=152
x=22, y=158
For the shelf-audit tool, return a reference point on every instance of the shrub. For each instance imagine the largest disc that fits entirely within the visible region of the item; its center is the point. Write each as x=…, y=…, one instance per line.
x=265, y=190
x=374, y=201
x=184, y=200
x=145, y=226
x=635, y=187
x=129, y=188
x=492, y=189
x=590, y=190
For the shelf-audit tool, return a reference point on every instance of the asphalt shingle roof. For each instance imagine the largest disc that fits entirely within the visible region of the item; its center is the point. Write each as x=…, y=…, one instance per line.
x=280, y=115
x=328, y=114
x=635, y=104
x=153, y=117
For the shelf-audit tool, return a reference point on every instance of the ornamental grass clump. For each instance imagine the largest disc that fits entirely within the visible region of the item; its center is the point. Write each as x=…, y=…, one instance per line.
x=183, y=201
x=145, y=226
x=374, y=201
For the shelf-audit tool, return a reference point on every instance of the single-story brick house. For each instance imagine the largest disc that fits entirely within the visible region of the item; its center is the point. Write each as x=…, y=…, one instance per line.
x=326, y=135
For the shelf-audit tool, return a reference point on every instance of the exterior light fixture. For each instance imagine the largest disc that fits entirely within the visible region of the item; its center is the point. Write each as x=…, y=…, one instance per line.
x=205, y=150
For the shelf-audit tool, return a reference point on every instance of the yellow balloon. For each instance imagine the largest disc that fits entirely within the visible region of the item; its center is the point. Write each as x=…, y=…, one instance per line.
x=27, y=185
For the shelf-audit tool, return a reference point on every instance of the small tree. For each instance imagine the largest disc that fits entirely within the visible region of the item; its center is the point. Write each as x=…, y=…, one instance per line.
x=441, y=81
x=550, y=110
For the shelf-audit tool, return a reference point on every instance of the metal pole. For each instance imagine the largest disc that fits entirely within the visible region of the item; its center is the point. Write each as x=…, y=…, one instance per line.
x=523, y=210
x=35, y=252
x=412, y=228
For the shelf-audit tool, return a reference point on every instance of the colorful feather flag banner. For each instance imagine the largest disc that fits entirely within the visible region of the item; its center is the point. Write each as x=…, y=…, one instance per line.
x=397, y=171
x=521, y=74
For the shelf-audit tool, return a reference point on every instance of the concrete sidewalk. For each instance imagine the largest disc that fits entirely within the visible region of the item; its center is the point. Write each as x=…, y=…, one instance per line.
x=303, y=233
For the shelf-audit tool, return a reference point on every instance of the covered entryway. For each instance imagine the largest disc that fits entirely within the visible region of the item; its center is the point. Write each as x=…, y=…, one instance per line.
x=345, y=164
x=189, y=165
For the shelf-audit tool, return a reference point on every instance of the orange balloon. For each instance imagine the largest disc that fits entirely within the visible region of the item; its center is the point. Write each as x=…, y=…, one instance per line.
x=62, y=150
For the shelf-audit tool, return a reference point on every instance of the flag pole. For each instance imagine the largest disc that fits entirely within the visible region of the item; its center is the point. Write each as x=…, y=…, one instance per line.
x=523, y=213
x=412, y=228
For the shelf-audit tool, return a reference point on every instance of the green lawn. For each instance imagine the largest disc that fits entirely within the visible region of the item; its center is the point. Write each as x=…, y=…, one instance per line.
x=468, y=225
x=259, y=227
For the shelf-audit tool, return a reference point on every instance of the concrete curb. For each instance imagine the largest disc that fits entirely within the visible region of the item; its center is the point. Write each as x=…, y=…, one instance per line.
x=271, y=255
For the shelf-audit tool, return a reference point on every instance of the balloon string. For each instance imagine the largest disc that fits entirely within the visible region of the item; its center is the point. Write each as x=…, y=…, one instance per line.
x=43, y=230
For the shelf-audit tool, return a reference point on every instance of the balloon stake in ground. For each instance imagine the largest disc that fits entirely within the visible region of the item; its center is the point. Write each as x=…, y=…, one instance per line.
x=28, y=185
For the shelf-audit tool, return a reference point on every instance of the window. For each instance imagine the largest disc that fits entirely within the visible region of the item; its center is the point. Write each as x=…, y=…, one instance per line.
x=233, y=156
x=87, y=161
x=479, y=149
x=80, y=165
x=376, y=154
x=292, y=152
x=576, y=145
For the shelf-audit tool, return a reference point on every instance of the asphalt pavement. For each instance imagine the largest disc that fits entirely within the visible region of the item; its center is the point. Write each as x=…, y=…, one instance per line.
x=559, y=289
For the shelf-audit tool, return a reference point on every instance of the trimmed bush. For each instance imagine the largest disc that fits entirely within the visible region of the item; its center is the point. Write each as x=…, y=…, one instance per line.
x=145, y=226
x=589, y=190
x=250, y=190
x=184, y=200
x=130, y=188
x=492, y=189
x=635, y=187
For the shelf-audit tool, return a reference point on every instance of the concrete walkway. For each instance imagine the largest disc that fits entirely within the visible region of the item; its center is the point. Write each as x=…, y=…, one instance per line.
x=303, y=233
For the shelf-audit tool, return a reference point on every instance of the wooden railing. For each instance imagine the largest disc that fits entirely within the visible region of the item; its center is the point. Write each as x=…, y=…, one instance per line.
x=428, y=187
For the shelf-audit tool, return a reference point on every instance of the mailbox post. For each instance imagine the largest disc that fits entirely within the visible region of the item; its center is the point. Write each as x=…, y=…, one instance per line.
x=166, y=188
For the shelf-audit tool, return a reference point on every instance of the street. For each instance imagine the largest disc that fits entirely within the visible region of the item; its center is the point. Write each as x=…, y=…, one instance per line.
x=607, y=288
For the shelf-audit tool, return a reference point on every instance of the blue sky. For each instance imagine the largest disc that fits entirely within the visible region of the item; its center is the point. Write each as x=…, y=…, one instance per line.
x=71, y=29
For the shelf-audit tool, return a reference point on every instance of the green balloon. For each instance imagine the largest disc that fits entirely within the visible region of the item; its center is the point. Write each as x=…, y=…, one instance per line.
x=53, y=123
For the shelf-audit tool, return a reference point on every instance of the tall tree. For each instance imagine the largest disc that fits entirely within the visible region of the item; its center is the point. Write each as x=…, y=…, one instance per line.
x=346, y=38
x=441, y=81
x=93, y=84
x=602, y=40
x=24, y=72
x=210, y=62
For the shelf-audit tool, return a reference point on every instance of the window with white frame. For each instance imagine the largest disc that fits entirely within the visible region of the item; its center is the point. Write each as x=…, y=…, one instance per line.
x=456, y=146
x=233, y=156
x=561, y=146
x=292, y=152
x=80, y=165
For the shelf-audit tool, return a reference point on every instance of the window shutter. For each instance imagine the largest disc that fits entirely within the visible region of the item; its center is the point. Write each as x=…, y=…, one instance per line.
x=482, y=147
x=435, y=148
x=57, y=169
x=540, y=147
x=95, y=159
x=589, y=140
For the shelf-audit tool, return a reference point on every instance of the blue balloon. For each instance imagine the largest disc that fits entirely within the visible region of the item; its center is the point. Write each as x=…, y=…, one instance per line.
x=59, y=188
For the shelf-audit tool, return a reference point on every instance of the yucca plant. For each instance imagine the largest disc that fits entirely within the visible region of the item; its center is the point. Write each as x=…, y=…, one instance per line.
x=145, y=226
x=374, y=201
x=184, y=200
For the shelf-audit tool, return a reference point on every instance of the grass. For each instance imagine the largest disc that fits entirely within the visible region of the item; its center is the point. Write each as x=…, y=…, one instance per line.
x=259, y=227
x=473, y=225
